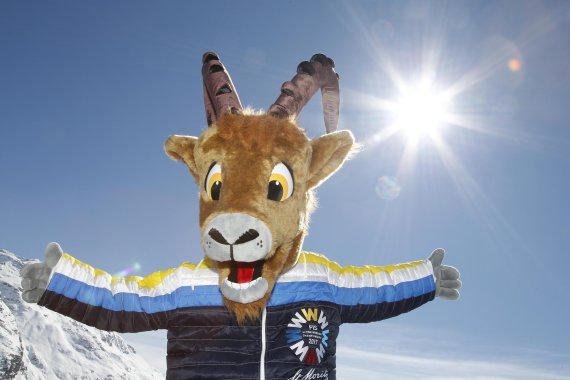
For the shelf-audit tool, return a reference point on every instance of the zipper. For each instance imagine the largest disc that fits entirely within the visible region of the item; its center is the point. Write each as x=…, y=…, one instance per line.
x=263, y=345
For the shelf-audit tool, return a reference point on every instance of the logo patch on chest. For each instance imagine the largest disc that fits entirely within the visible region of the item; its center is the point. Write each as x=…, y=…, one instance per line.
x=307, y=335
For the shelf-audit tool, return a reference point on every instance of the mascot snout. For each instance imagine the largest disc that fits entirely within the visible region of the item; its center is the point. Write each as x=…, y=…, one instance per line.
x=236, y=237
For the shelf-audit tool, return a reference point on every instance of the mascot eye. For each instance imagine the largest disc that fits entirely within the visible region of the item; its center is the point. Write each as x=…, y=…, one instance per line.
x=213, y=183
x=280, y=185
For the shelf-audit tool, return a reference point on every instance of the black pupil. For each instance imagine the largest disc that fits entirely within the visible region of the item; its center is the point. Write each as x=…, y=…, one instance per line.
x=275, y=191
x=215, y=191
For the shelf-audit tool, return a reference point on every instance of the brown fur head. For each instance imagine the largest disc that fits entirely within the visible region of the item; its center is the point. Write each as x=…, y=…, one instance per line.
x=255, y=174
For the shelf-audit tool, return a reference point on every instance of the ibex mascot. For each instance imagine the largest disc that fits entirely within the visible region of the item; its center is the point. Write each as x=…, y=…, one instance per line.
x=257, y=306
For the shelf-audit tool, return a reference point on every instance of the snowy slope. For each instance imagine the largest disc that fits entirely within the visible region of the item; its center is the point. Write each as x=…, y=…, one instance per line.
x=36, y=343
x=11, y=351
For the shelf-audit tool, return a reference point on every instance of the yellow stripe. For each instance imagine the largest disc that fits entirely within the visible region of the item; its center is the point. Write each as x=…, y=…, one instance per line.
x=96, y=272
x=148, y=282
x=157, y=278
x=313, y=258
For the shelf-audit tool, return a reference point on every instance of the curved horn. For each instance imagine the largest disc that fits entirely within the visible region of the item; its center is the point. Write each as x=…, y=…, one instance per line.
x=318, y=73
x=220, y=94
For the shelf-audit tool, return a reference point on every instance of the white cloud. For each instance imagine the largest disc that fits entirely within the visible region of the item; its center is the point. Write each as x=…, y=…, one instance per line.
x=356, y=363
x=396, y=351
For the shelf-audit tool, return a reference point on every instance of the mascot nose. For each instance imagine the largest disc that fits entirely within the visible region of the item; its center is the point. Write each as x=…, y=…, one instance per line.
x=248, y=235
x=237, y=237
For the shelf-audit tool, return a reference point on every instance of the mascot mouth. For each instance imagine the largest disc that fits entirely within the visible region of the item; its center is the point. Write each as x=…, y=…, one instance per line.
x=244, y=273
x=245, y=283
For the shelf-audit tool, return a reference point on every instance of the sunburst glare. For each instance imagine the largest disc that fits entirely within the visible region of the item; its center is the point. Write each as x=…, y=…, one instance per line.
x=418, y=111
x=421, y=111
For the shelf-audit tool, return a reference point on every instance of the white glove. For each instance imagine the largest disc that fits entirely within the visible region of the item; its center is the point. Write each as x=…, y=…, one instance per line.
x=447, y=281
x=35, y=276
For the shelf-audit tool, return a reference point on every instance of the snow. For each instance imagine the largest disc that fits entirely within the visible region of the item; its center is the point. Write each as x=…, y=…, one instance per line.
x=10, y=343
x=36, y=343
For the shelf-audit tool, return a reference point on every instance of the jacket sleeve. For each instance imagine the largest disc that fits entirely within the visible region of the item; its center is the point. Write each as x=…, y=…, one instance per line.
x=130, y=304
x=372, y=293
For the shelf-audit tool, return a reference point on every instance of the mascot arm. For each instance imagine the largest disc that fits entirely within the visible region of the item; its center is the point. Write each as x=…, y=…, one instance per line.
x=92, y=296
x=372, y=293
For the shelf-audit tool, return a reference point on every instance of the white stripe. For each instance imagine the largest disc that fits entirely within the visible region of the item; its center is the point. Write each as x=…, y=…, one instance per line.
x=263, y=345
x=182, y=276
x=321, y=273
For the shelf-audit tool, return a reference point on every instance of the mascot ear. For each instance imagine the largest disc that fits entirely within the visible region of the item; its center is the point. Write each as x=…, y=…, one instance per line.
x=182, y=148
x=329, y=153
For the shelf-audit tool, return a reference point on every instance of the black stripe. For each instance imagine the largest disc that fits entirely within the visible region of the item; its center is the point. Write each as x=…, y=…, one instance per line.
x=105, y=319
x=380, y=311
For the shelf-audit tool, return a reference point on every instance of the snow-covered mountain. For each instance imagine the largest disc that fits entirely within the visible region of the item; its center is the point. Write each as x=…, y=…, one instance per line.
x=36, y=343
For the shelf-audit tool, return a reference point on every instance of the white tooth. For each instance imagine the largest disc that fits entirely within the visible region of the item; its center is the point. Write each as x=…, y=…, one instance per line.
x=253, y=291
x=231, y=284
x=242, y=286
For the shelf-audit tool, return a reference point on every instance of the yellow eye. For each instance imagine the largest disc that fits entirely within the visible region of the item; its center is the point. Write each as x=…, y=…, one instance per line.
x=281, y=184
x=213, y=182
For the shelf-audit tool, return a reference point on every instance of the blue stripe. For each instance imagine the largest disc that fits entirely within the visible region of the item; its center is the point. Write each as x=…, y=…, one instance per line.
x=185, y=296
x=210, y=295
x=289, y=292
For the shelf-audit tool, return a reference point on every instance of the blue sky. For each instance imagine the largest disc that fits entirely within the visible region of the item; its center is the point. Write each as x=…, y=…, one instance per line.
x=90, y=90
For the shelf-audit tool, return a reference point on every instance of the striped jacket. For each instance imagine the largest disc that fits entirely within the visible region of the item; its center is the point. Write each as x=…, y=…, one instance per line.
x=295, y=338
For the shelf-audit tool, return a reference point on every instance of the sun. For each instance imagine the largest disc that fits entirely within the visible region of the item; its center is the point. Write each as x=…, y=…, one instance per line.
x=420, y=111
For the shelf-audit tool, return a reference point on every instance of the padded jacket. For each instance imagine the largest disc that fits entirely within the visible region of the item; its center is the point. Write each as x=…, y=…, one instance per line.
x=295, y=337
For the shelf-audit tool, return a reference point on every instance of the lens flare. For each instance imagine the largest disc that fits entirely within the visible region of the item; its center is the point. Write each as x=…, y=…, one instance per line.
x=128, y=270
x=388, y=188
x=515, y=65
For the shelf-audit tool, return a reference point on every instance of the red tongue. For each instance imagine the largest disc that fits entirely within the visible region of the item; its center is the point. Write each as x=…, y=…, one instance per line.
x=244, y=274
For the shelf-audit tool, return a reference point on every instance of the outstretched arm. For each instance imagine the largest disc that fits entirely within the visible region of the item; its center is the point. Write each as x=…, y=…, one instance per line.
x=91, y=296
x=374, y=293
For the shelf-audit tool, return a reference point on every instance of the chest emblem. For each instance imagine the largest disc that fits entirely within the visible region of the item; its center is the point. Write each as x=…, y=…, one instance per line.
x=307, y=335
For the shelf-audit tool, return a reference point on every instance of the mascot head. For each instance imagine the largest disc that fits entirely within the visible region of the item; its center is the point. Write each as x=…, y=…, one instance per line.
x=256, y=172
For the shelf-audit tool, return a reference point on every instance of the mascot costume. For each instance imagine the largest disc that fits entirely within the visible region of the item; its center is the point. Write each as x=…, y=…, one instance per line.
x=257, y=306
